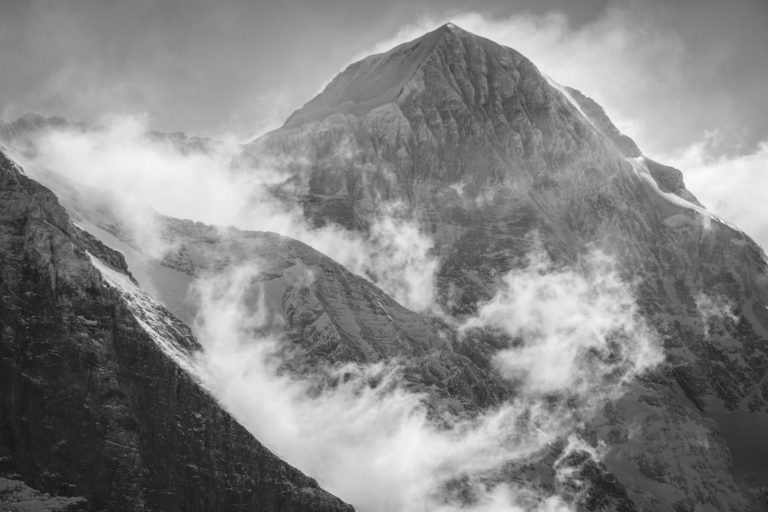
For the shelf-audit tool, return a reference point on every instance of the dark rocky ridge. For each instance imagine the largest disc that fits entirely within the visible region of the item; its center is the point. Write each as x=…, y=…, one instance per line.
x=92, y=406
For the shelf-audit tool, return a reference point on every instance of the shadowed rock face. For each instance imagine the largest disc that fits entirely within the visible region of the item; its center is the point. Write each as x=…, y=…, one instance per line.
x=96, y=403
x=491, y=157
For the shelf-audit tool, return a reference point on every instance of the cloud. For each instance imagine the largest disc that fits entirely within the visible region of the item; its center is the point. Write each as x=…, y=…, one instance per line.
x=135, y=174
x=731, y=186
x=371, y=442
x=574, y=327
x=715, y=308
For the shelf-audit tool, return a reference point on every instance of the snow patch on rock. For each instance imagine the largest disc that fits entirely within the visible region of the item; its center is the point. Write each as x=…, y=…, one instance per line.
x=153, y=318
x=570, y=99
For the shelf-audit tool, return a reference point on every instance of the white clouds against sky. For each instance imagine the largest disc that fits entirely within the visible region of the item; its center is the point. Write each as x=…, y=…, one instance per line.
x=733, y=187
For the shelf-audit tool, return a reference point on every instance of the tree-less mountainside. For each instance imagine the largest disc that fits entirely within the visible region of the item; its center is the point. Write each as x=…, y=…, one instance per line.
x=493, y=160
x=98, y=409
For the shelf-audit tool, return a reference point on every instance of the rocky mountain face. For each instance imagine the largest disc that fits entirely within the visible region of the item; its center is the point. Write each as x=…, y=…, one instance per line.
x=492, y=158
x=99, y=409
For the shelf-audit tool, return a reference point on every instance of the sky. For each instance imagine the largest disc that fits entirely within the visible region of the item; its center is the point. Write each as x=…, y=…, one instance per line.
x=685, y=78
x=669, y=71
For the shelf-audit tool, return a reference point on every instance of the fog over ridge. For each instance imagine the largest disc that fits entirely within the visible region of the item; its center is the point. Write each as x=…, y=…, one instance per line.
x=376, y=447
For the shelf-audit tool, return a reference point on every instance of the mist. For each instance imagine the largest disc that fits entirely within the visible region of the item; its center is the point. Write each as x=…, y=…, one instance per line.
x=575, y=326
x=137, y=176
x=731, y=186
x=375, y=446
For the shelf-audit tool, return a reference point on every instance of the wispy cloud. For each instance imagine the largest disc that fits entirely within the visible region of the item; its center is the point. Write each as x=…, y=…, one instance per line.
x=574, y=327
x=732, y=186
x=139, y=174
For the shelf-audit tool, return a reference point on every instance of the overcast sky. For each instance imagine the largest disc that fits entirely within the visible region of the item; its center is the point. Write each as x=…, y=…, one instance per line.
x=671, y=72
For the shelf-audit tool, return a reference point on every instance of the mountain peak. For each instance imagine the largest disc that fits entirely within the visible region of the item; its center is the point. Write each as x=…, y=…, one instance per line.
x=455, y=29
x=452, y=27
x=450, y=69
x=378, y=79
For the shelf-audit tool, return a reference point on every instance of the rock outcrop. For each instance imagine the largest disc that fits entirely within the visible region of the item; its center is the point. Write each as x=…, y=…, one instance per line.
x=98, y=410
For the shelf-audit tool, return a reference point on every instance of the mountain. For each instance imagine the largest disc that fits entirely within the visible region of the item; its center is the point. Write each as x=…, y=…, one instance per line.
x=99, y=409
x=494, y=160
x=492, y=157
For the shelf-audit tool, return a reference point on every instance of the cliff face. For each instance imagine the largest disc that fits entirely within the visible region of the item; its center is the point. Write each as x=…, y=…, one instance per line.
x=97, y=403
x=493, y=158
